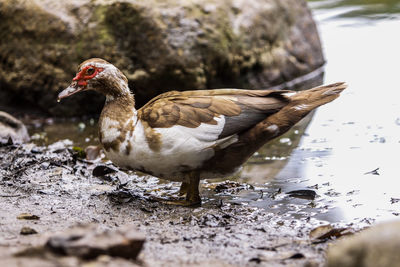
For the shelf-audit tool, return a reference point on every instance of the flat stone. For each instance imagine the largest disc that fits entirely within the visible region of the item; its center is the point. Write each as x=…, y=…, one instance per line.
x=27, y=231
x=89, y=242
x=27, y=216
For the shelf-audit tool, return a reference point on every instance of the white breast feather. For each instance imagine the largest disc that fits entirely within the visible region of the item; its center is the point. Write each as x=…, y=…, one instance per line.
x=109, y=129
x=182, y=148
x=124, y=144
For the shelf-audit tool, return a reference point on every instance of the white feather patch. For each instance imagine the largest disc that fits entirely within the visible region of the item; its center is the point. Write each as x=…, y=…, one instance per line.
x=109, y=130
x=301, y=107
x=227, y=141
x=289, y=94
x=274, y=129
x=182, y=149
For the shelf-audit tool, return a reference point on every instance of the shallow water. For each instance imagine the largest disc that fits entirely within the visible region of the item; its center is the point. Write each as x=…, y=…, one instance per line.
x=346, y=139
x=357, y=133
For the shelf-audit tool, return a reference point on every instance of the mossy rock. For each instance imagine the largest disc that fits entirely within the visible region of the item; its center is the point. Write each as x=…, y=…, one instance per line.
x=159, y=45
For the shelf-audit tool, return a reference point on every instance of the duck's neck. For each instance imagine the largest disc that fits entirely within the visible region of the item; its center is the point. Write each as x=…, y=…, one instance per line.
x=115, y=87
x=125, y=99
x=117, y=118
x=119, y=91
x=120, y=102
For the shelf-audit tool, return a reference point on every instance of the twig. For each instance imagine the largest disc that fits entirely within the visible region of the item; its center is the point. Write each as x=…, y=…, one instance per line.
x=373, y=172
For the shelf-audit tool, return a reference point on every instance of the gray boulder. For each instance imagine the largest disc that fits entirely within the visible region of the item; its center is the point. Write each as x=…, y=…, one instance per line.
x=377, y=246
x=12, y=130
x=159, y=45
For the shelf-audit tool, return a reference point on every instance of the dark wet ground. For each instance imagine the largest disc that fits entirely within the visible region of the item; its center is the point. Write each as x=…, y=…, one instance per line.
x=60, y=189
x=342, y=166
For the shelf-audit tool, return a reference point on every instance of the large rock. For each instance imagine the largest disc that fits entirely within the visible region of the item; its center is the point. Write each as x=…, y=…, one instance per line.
x=12, y=130
x=377, y=246
x=159, y=45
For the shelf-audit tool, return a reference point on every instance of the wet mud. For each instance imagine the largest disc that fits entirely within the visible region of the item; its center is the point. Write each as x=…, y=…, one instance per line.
x=47, y=189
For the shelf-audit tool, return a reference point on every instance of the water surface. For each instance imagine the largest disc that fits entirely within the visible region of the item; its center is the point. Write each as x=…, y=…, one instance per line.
x=357, y=133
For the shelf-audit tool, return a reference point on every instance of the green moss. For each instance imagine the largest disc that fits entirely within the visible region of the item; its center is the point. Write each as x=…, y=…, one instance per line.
x=102, y=29
x=79, y=152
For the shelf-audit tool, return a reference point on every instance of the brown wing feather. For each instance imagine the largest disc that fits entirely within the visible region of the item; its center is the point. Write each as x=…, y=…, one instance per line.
x=254, y=109
x=242, y=108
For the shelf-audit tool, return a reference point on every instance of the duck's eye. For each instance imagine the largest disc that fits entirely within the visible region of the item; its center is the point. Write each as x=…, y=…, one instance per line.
x=90, y=71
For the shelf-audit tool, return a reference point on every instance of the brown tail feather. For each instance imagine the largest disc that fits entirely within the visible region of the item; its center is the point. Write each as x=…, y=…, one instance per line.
x=300, y=104
x=319, y=95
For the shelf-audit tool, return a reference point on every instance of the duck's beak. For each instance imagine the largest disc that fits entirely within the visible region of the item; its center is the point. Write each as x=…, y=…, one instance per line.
x=70, y=90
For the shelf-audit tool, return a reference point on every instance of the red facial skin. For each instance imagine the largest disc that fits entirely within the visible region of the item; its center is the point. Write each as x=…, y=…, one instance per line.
x=80, y=81
x=81, y=77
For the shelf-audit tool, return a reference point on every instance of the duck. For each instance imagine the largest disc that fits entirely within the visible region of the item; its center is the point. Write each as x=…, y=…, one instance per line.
x=187, y=136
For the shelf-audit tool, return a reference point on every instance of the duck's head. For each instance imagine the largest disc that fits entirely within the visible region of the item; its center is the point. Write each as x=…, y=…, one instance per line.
x=99, y=75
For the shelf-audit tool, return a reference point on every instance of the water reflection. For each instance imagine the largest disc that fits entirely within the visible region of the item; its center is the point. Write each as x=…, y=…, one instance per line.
x=366, y=9
x=82, y=132
x=357, y=133
x=274, y=156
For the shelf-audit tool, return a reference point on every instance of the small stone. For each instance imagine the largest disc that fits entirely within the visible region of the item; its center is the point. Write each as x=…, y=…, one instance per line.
x=27, y=216
x=297, y=256
x=45, y=165
x=27, y=231
x=325, y=232
x=102, y=170
x=304, y=194
x=59, y=145
x=92, y=152
x=89, y=242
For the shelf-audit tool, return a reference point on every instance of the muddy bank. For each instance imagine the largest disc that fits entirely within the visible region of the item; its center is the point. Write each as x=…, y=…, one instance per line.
x=58, y=187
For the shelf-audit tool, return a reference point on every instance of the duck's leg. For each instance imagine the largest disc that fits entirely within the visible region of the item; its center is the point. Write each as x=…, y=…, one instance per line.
x=191, y=189
x=184, y=189
x=193, y=194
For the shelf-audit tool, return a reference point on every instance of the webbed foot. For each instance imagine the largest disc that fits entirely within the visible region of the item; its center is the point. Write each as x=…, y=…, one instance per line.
x=191, y=189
